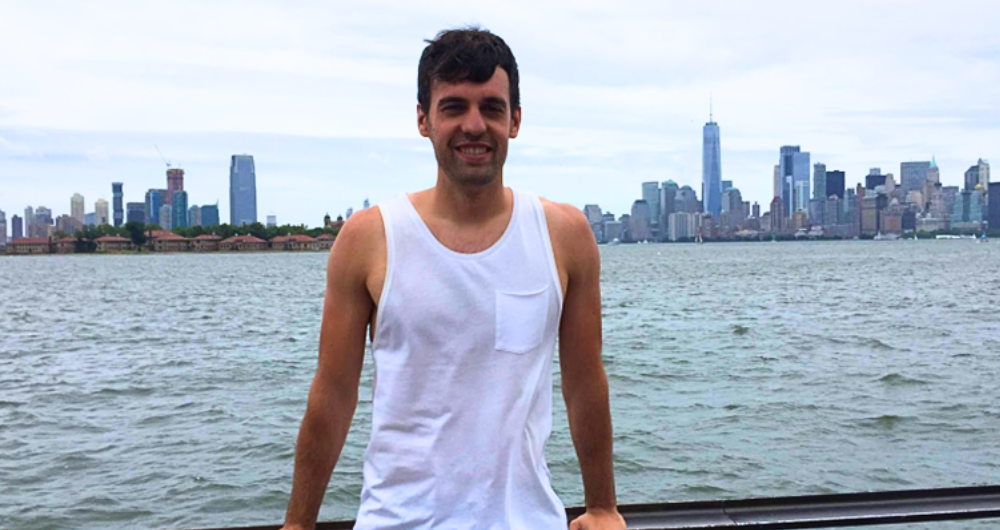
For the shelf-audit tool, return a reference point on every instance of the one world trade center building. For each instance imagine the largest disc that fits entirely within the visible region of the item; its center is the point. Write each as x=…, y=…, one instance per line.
x=711, y=169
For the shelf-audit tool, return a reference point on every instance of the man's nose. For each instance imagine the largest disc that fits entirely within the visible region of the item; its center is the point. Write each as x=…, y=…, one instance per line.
x=473, y=124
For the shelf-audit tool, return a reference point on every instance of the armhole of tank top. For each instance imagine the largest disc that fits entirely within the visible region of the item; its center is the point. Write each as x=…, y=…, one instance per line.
x=549, y=251
x=390, y=253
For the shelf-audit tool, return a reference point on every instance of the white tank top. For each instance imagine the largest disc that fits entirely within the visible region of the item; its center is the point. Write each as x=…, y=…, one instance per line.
x=462, y=404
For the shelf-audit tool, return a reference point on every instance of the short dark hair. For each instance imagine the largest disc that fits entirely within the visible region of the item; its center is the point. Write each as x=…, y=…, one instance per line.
x=466, y=54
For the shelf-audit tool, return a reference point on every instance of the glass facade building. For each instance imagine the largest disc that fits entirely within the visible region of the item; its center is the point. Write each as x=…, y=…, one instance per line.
x=135, y=212
x=179, y=210
x=154, y=200
x=210, y=215
x=913, y=175
x=117, y=203
x=794, y=168
x=242, y=190
x=711, y=169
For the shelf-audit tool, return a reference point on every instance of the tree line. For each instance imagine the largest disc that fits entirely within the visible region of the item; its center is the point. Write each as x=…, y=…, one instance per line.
x=140, y=233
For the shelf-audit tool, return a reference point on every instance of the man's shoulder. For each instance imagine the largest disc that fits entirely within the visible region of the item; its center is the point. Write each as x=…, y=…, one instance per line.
x=564, y=220
x=362, y=227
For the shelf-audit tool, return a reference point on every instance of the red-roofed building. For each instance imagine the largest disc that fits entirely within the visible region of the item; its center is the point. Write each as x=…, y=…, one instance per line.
x=66, y=245
x=30, y=245
x=243, y=243
x=206, y=243
x=166, y=241
x=113, y=244
x=292, y=242
x=324, y=242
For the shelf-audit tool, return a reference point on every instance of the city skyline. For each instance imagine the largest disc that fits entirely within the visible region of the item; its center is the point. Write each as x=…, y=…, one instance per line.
x=327, y=107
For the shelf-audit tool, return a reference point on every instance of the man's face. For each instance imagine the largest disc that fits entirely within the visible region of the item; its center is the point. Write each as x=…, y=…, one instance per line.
x=469, y=125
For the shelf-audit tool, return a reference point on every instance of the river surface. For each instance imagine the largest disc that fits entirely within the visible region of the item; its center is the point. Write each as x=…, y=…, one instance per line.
x=165, y=391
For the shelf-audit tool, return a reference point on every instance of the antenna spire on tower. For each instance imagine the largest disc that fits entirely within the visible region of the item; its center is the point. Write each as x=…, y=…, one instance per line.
x=711, y=110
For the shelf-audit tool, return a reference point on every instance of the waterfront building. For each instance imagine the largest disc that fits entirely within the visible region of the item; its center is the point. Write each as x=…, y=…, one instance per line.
x=194, y=216
x=76, y=208
x=711, y=168
x=794, y=172
x=891, y=219
x=16, y=227
x=179, y=210
x=155, y=199
x=135, y=212
x=166, y=216
x=272, y=220
x=651, y=194
x=872, y=205
x=167, y=241
x=639, y=221
x=967, y=212
x=242, y=191
x=244, y=243
x=819, y=181
x=324, y=242
x=3, y=229
x=65, y=245
x=593, y=213
x=835, y=183
x=913, y=175
x=993, y=206
x=682, y=226
x=101, y=212
x=210, y=215
x=598, y=230
x=117, y=203
x=30, y=245
x=175, y=182
x=613, y=230
x=113, y=244
x=206, y=243
x=291, y=242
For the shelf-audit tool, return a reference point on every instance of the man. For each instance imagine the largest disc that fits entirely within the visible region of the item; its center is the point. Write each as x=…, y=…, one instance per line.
x=465, y=287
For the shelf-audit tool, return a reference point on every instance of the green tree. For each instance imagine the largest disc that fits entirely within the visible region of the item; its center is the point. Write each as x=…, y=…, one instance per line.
x=137, y=233
x=257, y=230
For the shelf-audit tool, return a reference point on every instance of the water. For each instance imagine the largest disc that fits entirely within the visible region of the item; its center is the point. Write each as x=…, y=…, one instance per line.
x=165, y=391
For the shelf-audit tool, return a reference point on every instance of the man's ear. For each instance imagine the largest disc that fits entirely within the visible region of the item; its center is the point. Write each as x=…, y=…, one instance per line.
x=515, y=122
x=423, y=125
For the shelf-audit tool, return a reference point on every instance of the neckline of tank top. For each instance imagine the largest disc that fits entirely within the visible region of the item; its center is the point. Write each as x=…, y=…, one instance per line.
x=437, y=244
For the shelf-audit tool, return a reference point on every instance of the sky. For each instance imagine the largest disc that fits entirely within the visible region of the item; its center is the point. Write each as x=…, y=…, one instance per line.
x=323, y=95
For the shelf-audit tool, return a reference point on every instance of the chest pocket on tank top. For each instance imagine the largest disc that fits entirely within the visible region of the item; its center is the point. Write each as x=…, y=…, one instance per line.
x=521, y=319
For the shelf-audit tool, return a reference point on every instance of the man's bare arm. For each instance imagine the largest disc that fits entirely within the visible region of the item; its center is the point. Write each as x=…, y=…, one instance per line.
x=584, y=382
x=333, y=396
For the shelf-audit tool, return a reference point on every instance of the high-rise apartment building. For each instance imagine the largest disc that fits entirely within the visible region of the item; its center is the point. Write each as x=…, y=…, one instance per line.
x=179, y=210
x=135, y=212
x=242, y=190
x=118, y=203
x=835, y=183
x=794, y=170
x=194, y=216
x=711, y=168
x=210, y=215
x=16, y=227
x=76, y=208
x=154, y=200
x=175, y=182
x=29, y=218
x=819, y=181
x=651, y=194
x=165, y=216
x=101, y=212
x=913, y=175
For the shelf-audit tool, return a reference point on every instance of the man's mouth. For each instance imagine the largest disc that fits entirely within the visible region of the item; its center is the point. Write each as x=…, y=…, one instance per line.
x=474, y=153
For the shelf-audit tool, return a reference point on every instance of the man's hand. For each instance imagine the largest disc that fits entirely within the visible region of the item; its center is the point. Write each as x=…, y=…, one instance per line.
x=599, y=520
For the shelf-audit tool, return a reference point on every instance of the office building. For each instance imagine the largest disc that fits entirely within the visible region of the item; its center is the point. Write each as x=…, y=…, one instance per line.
x=593, y=213
x=777, y=181
x=29, y=218
x=16, y=227
x=194, y=216
x=135, y=212
x=993, y=206
x=640, y=221
x=155, y=199
x=668, y=205
x=67, y=224
x=165, y=217
x=3, y=228
x=732, y=215
x=711, y=168
x=794, y=171
x=101, y=212
x=913, y=176
x=687, y=201
x=76, y=208
x=175, y=182
x=819, y=182
x=272, y=220
x=88, y=219
x=210, y=215
x=835, y=184
x=613, y=231
x=118, y=203
x=651, y=194
x=683, y=226
x=179, y=210
x=242, y=190
x=874, y=179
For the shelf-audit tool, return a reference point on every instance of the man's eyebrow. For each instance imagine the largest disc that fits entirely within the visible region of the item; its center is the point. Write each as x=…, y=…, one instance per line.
x=451, y=99
x=500, y=102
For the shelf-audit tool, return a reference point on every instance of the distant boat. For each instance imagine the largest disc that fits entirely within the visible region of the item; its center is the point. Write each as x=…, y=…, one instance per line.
x=886, y=237
x=698, y=239
x=615, y=241
x=982, y=238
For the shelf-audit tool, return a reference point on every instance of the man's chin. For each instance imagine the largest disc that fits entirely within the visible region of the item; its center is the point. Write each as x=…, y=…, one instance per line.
x=473, y=178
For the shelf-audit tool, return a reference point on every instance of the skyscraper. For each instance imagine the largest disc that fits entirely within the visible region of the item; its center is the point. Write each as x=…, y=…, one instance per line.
x=651, y=194
x=29, y=218
x=640, y=220
x=210, y=215
x=3, y=228
x=16, y=227
x=135, y=212
x=272, y=220
x=76, y=208
x=777, y=180
x=154, y=200
x=175, y=182
x=593, y=213
x=242, y=190
x=179, y=210
x=101, y=212
x=819, y=181
x=194, y=216
x=119, y=207
x=668, y=204
x=165, y=217
x=913, y=175
x=835, y=183
x=794, y=170
x=993, y=206
x=711, y=168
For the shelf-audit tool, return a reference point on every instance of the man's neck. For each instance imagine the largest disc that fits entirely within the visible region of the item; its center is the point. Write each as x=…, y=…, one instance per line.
x=468, y=204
